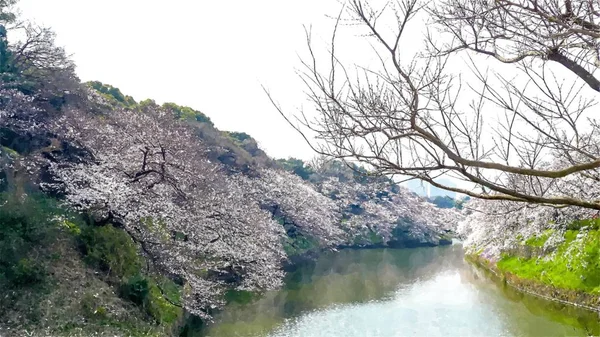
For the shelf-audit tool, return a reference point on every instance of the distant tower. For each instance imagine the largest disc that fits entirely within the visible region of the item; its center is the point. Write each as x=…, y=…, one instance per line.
x=428, y=190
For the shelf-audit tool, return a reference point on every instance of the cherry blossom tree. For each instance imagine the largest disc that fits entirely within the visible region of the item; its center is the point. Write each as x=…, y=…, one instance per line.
x=148, y=173
x=383, y=209
x=497, y=226
x=311, y=212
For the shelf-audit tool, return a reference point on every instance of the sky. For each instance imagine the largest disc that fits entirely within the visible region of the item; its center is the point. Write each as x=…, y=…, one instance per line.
x=213, y=56
x=216, y=56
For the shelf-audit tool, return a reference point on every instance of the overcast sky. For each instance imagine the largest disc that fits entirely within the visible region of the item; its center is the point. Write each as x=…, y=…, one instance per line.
x=210, y=55
x=213, y=55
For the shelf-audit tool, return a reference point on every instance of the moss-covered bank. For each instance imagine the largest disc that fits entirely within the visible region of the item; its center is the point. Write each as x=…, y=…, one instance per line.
x=562, y=266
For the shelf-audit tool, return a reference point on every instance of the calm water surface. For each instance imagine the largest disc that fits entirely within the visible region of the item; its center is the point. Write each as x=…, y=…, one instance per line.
x=411, y=292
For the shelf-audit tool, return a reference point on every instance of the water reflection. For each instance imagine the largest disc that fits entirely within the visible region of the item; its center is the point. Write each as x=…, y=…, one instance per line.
x=412, y=292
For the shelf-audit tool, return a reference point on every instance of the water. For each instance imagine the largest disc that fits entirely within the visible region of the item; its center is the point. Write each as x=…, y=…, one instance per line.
x=409, y=292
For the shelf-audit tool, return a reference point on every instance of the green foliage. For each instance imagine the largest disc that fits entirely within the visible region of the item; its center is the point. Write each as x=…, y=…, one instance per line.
x=163, y=311
x=91, y=308
x=460, y=204
x=27, y=272
x=240, y=296
x=136, y=290
x=300, y=244
x=443, y=201
x=593, y=223
x=445, y=237
x=337, y=169
x=539, y=240
x=192, y=326
x=146, y=293
x=448, y=202
x=26, y=225
x=10, y=152
x=6, y=14
x=101, y=319
x=575, y=264
x=157, y=226
x=7, y=67
x=171, y=290
x=375, y=238
x=402, y=228
x=238, y=137
x=187, y=113
x=280, y=220
x=112, y=94
x=371, y=238
x=28, y=232
x=296, y=166
x=72, y=227
x=363, y=176
x=147, y=103
x=111, y=250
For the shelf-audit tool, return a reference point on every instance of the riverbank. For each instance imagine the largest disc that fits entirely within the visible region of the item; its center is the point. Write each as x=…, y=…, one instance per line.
x=561, y=266
x=573, y=298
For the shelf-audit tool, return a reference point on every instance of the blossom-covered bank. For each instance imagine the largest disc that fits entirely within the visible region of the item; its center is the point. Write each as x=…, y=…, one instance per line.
x=552, y=253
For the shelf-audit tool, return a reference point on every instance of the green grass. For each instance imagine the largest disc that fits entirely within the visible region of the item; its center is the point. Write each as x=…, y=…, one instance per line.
x=574, y=265
x=539, y=240
x=593, y=223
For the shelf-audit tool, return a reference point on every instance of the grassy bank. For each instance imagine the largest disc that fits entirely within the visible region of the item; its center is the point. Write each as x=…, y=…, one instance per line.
x=562, y=266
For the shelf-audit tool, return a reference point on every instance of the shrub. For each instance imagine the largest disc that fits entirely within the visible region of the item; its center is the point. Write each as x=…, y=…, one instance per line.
x=187, y=113
x=27, y=272
x=163, y=311
x=136, y=290
x=296, y=166
x=111, y=250
x=113, y=94
x=26, y=225
x=539, y=240
x=300, y=244
x=238, y=137
x=145, y=292
x=239, y=296
x=91, y=308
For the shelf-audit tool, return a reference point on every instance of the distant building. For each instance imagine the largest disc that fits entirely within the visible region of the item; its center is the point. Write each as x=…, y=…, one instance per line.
x=425, y=189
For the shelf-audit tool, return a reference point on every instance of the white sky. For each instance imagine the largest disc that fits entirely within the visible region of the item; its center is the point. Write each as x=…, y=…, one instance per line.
x=210, y=55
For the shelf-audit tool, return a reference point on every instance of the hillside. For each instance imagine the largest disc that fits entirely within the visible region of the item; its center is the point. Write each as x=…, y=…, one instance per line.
x=204, y=210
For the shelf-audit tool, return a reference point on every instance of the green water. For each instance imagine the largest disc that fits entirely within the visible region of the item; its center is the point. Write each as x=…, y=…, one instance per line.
x=409, y=292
